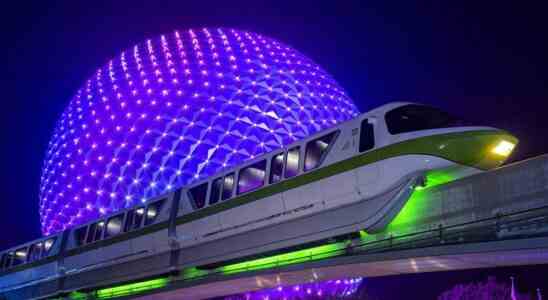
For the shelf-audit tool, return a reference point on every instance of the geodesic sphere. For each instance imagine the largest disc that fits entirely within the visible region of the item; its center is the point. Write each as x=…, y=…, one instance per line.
x=177, y=108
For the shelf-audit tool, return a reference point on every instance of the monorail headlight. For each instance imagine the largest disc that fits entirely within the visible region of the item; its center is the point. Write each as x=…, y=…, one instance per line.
x=503, y=148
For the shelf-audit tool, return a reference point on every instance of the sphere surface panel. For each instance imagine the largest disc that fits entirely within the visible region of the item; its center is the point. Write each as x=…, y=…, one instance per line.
x=175, y=109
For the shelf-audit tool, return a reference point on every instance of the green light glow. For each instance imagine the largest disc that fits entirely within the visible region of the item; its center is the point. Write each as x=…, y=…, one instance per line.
x=437, y=177
x=78, y=296
x=408, y=214
x=131, y=288
x=418, y=203
x=192, y=273
x=299, y=256
x=294, y=257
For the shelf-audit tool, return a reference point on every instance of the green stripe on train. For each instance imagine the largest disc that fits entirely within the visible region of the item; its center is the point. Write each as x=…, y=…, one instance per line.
x=466, y=148
x=471, y=148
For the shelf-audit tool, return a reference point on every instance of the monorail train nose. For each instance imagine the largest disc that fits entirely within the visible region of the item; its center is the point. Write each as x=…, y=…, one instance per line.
x=484, y=149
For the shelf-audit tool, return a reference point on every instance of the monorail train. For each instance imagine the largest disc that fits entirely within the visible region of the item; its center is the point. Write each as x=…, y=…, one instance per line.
x=354, y=176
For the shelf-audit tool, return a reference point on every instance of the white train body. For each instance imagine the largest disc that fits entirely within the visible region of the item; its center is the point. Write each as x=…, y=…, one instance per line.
x=354, y=176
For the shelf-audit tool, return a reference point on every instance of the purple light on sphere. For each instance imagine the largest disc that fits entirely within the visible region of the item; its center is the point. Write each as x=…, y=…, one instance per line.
x=178, y=108
x=332, y=289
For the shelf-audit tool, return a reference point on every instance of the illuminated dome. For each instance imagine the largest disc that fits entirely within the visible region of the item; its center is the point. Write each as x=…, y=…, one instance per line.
x=177, y=108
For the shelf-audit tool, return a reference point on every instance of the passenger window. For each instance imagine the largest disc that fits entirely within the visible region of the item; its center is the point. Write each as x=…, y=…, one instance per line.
x=228, y=186
x=292, y=162
x=35, y=252
x=114, y=225
x=95, y=232
x=9, y=259
x=152, y=211
x=91, y=233
x=316, y=151
x=6, y=261
x=216, y=190
x=2, y=261
x=48, y=244
x=130, y=215
x=276, y=167
x=99, y=231
x=20, y=256
x=367, y=137
x=80, y=235
x=251, y=177
x=198, y=195
x=134, y=219
x=41, y=249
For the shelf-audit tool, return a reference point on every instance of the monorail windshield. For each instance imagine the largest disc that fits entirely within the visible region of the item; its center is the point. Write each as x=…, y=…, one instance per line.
x=415, y=117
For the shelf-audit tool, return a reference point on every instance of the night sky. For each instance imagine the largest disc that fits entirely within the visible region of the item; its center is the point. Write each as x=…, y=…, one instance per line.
x=485, y=62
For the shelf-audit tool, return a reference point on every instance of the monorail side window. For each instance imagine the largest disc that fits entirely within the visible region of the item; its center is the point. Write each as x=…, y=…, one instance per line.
x=40, y=249
x=198, y=195
x=228, y=186
x=20, y=256
x=415, y=117
x=276, y=167
x=95, y=232
x=80, y=235
x=215, y=190
x=48, y=245
x=91, y=233
x=99, y=231
x=129, y=220
x=134, y=218
x=114, y=225
x=292, y=162
x=367, y=136
x=316, y=150
x=9, y=258
x=152, y=211
x=252, y=177
x=4, y=262
x=35, y=252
